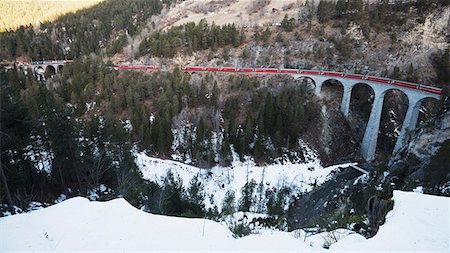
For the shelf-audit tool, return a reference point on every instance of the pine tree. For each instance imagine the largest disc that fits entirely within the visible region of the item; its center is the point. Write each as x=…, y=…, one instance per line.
x=246, y=202
x=288, y=24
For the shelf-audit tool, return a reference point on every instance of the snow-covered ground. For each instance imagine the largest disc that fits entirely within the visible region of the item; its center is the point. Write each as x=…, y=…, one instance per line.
x=418, y=223
x=217, y=181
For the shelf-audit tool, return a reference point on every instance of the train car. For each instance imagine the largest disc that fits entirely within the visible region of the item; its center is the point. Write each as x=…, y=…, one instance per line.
x=290, y=71
x=152, y=67
x=354, y=76
x=189, y=68
x=228, y=69
x=431, y=89
x=245, y=70
x=266, y=70
x=404, y=84
x=378, y=79
x=329, y=73
x=212, y=68
x=309, y=72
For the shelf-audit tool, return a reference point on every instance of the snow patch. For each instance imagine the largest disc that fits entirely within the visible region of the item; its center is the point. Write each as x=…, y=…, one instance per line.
x=217, y=181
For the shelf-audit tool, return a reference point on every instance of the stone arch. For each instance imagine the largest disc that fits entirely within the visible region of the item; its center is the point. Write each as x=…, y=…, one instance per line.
x=59, y=68
x=39, y=70
x=50, y=71
x=361, y=102
x=306, y=82
x=332, y=92
x=394, y=110
x=427, y=107
x=411, y=120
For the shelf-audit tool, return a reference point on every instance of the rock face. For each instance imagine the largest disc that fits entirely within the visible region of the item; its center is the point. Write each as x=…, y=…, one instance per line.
x=422, y=162
x=377, y=208
x=428, y=139
x=332, y=137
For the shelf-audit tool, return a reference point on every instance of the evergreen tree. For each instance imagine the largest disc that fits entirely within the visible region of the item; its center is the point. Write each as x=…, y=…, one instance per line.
x=246, y=202
x=288, y=24
x=228, y=206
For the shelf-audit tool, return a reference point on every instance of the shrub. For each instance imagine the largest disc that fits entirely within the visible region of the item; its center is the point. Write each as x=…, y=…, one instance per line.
x=240, y=230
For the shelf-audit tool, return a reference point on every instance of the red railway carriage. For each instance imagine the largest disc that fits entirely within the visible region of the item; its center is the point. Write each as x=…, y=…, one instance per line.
x=228, y=69
x=309, y=72
x=212, y=69
x=404, y=84
x=378, y=79
x=152, y=67
x=245, y=70
x=266, y=70
x=190, y=68
x=329, y=73
x=431, y=89
x=291, y=71
x=354, y=76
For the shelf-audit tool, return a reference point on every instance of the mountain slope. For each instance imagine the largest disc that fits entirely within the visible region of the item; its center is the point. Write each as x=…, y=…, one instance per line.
x=32, y=12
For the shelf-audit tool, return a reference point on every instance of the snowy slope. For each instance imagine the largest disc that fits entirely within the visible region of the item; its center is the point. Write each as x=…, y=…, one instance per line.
x=115, y=226
x=418, y=223
x=218, y=180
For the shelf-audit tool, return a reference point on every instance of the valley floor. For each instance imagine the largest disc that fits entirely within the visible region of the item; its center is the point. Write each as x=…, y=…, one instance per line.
x=418, y=223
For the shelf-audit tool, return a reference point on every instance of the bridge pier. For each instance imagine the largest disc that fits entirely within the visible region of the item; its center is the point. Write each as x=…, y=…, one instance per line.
x=369, y=143
x=318, y=81
x=345, y=103
x=409, y=123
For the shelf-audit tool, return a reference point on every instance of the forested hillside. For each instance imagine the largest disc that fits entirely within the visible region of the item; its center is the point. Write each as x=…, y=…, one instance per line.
x=81, y=33
x=16, y=13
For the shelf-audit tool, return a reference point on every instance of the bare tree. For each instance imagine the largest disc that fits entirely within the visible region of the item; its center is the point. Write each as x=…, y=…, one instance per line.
x=6, y=189
x=99, y=167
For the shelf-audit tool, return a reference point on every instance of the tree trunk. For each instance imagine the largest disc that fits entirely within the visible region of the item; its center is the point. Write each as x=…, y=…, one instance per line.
x=8, y=195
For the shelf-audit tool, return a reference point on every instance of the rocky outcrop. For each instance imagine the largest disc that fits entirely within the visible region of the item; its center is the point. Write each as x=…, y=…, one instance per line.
x=420, y=161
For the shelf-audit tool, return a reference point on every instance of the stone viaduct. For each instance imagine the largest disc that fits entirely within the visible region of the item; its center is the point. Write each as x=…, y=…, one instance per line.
x=380, y=87
x=415, y=93
x=57, y=65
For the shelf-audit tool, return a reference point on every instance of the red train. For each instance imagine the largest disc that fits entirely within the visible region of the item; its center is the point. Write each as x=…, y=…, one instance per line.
x=152, y=67
x=317, y=72
x=296, y=71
